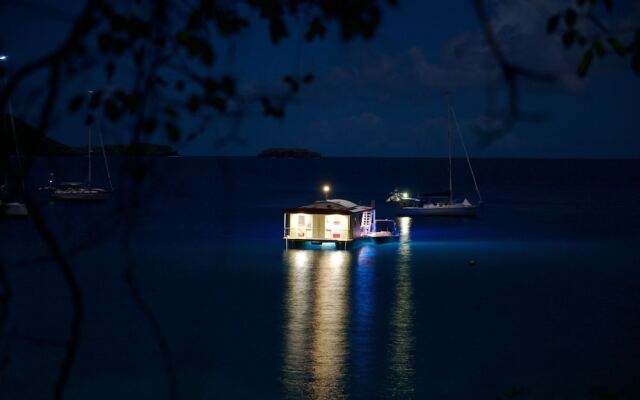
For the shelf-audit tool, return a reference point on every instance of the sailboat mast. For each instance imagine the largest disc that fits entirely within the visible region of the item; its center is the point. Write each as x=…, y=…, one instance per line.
x=104, y=153
x=89, y=136
x=466, y=154
x=449, y=134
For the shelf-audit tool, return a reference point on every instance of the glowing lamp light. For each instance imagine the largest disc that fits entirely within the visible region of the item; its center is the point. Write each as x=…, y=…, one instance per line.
x=326, y=189
x=3, y=57
x=405, y=195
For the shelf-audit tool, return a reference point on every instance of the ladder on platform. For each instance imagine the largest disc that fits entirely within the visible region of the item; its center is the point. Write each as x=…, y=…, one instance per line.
x=367, y=221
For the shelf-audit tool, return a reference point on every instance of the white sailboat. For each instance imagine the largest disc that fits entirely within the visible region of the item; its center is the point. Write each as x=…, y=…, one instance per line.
x=81, y=190
x=440, y=204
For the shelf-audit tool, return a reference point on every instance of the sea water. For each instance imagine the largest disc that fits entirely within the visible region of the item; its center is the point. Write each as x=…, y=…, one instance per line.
x=538, y=297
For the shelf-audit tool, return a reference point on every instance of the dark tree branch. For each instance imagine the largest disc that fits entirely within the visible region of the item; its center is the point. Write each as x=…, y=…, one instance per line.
x=510, y=74
x=35, y=341
x=106, y=36
x=84, y=24
x=152, y=321
x=87, y=243
x=596, y=21
x=69, y=276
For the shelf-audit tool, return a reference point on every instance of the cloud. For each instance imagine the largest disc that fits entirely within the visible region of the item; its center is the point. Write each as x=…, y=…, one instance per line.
x=465, y=61
x=362, y=133
x=405, y=71
x=365, y=120
x=386, y=100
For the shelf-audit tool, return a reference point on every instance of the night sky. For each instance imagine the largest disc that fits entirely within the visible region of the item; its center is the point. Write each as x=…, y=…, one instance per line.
x=384, y=97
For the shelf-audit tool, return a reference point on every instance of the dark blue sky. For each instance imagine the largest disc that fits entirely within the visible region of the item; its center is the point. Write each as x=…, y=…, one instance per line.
x=384, y=97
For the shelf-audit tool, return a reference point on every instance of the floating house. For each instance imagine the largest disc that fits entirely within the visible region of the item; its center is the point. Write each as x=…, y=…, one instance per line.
x=328, y=221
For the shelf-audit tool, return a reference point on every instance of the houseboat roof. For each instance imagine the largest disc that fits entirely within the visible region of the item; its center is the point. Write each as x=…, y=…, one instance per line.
x=331, y=206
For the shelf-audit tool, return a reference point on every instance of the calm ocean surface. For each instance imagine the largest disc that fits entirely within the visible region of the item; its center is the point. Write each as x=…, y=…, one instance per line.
x=551, y=309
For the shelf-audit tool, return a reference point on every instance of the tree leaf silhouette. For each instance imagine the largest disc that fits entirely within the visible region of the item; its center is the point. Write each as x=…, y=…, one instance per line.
x=585, y=63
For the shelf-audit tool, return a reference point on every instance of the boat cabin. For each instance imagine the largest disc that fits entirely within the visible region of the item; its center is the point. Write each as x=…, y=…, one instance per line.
x=332, y=220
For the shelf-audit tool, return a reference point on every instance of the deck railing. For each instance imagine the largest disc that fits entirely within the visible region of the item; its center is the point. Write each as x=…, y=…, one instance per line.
x=308, y=234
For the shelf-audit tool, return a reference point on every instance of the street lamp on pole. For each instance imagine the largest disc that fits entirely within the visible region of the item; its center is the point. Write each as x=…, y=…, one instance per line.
x=326, y=189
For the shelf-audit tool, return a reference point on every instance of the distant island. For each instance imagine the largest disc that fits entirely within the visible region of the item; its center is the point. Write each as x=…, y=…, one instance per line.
x=33, y=142
x=288, y=153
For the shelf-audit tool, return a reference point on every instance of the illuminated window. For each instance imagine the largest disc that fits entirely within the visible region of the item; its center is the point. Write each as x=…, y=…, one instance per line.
x=300, y=225
x=336, y=226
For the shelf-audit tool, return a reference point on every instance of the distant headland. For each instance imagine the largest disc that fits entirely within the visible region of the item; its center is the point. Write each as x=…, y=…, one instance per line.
x=288, y=153
x=33, y=142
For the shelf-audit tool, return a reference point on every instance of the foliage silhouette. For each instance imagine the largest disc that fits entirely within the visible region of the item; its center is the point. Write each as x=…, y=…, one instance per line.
x=624, y=43
x=166, y=53
x=159, y=61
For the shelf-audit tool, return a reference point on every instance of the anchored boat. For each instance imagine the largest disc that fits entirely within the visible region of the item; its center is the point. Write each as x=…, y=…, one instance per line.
x=80, y=190
x=441, y=203
x=77, y=191
x=386, y=231
x=13, y=209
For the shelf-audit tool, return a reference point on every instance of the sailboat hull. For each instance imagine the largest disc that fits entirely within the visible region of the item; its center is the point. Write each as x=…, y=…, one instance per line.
x=13, y=209
x=447, y=210
x=76, y=191
x=82, y=195
x=384, y=238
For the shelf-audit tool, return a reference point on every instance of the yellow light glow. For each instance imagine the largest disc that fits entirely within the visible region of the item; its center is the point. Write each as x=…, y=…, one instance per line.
x=301, y=258
x=405, y=227
x=317, y=304
x=336, y=259
x=326, y=188
x=405, y=195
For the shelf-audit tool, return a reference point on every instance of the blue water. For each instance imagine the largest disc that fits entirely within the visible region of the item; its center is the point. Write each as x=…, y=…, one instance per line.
x=550, y=310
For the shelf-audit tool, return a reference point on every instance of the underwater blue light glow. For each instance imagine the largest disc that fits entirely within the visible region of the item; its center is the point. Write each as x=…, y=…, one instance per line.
x=363, y=312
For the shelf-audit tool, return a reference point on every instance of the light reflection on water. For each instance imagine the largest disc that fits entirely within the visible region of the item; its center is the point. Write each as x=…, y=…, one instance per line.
x=298, y=305
x=401, y=367
x=364, y=314
x=317, y=305
x=330, y=341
